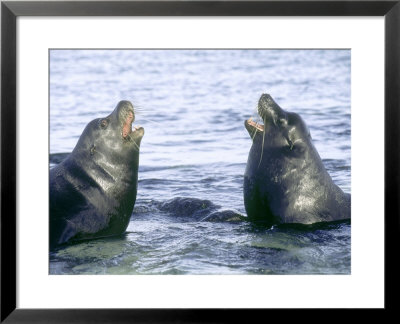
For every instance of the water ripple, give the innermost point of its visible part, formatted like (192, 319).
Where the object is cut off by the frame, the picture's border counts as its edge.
(189, 216)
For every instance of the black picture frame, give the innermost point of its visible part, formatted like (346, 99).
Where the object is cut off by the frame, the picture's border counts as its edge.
(10, 10)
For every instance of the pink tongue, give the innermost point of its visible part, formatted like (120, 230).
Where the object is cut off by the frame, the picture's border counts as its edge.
(256, 125)
(127, 128)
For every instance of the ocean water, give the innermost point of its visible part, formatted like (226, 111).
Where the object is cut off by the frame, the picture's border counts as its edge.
(193, 104)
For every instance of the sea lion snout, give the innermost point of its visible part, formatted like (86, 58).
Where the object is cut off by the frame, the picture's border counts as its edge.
(125, 110)
(266, 102)
(126, 116)
(125, 104)
(266, 97)
(269, 109)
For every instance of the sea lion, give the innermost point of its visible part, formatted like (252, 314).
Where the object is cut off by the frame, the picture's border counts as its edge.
(285, 180)
(93, 191)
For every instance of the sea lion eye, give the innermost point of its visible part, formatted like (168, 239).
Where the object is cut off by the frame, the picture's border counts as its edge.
(104, 123)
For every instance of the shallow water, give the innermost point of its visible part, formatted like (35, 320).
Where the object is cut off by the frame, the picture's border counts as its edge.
(188, 217)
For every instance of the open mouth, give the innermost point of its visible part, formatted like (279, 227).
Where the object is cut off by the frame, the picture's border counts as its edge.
(127, 127)
(127, 130)
(256, 125)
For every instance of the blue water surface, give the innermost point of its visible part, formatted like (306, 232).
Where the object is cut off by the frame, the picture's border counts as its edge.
(192, 104)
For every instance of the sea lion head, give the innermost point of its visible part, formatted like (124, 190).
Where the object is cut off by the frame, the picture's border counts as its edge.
(281, 130)
(111, 139)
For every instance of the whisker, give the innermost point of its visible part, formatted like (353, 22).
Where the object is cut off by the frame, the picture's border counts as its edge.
(137, 146)
(255, 111)
(138, 109)
(151, 121)
(262, 146)
(143, 111)
(140, 112)
(254, 134)
(146, 109)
